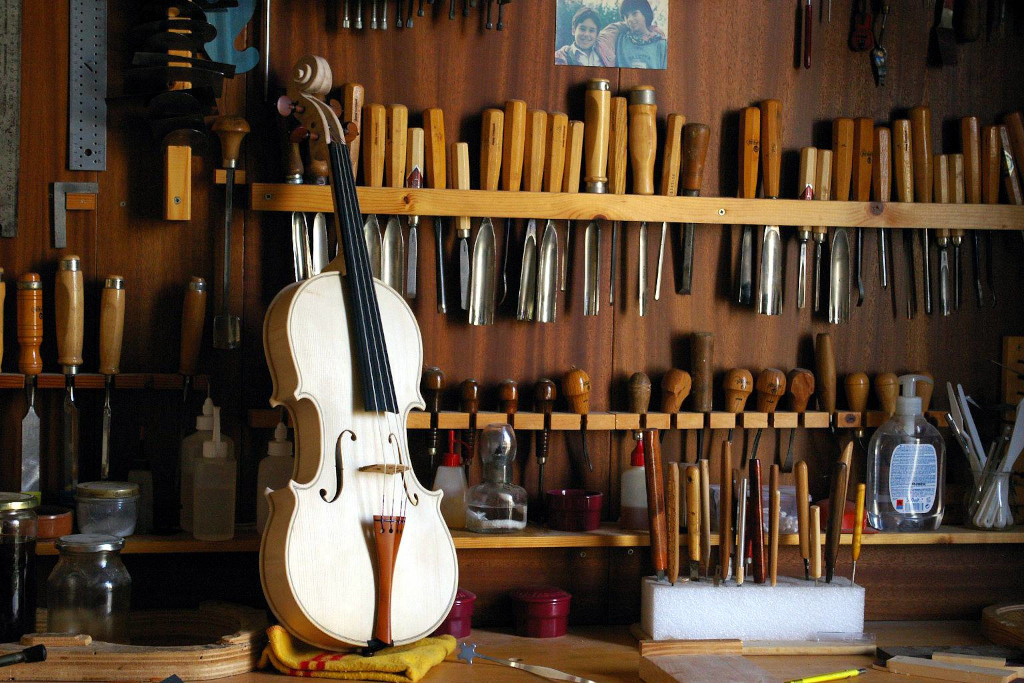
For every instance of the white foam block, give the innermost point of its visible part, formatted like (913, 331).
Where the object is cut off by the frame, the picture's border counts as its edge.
(793, 610)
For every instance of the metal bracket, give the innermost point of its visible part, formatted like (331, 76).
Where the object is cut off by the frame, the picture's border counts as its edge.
(59, 193)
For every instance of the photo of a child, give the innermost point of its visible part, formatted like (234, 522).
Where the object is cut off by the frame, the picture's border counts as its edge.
(629, 34)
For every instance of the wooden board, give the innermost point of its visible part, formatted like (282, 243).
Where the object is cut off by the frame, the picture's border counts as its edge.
(701, 669)
(949, 671)
(761, 648)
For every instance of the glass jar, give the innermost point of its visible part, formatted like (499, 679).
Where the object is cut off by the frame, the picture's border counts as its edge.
(989, 504)
(17, 553)
(496, 506)
(89, 590)
(107, 507)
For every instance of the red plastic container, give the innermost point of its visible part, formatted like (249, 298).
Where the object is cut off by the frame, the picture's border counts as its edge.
(573, 509)
(541, 611)
(457, 623)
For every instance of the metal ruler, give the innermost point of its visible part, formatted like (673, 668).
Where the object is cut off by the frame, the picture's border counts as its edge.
(87, 86)
(10, 113)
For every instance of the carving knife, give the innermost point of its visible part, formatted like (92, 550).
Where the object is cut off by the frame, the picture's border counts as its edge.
(693, 520)
(921, 134)
(991, 159)
(695, 149)
(808, 161)
(597, 129)
(643, 140)
(481, 291)
(903, 172)
(750, 147)
(669, 183)
(414, 180)
(533, 180)
(956, 236)
(373, 173)
(436, 150)
(460, 181)
(111, 334)
(512, 150)
(69, 294)
(842, 166)
(970, 140)
(769, 284)
(571, 185)
(617, 161)
(881, 180)
(823, 192)
(863, 155)
(30, 364)
(940, 175)
(547, 262)
(395, 140)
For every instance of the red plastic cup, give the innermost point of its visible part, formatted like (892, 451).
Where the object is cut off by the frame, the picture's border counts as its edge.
(541, 611)
(459, 619)
(573, 509)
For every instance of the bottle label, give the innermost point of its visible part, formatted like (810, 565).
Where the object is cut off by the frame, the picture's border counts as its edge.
(913, 476)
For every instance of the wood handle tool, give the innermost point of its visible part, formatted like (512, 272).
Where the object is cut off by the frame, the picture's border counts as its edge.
(436, 178)
(469, 394)
(774, 505)
(881, 177)
(822, 191)
(808, 168)
(750, 147)
(643, 140)
(671, 159)
(1008, 170)
(544, 401)
(887, 389)
(815, 542)
(227, 328)
(941, 195)
(413, 179)
(508, 394)
(696, 137)
(837, 509)
(725, 503)
(693, 520)
(639, 391)
(705, 516)
(921, 134)
(618, 159)
(803, 516)
(863, 156)
(769, 284)
(800, 385)
(702, 360)
(534, 140)
(571, 185)
(842, 173)
(675, 387)
(482, 299)
(858, 530)
(770, 386)
(903, 174)
(825, 369)
(655, 503)
(738, 385)
(513, 151)
(69, 298)
(396, 134)
(30, 364)
(596, 133)
(755, 523)
(991, 159)
(353, 96)
(460, 181)
(111, 335)
(576, 388)
(970, 140)
(432, 384)
(547, 262)
(672, 509)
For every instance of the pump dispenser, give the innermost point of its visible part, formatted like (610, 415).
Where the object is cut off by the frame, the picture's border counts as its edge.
(450, 479)
(906, 467)
(275, 472)
(191, 452)
(633, 500)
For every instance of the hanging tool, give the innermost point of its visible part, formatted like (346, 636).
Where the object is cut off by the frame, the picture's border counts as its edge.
(432, 384)
(769, 284)
(755, 522)
(597, 128)
(858, 530)
(374, 145)
(643, 141)
(547, 262)
(863, 155)
(970, 141)
(955, 178)
(822, 191)
(30, 364)
(672, 521)
(436, 177)
(693, 520)
(576, 388)
(543, 402)
(695, 149)
(921, 133)
(808, 168)
(571, 185)
(87, 86)
(111, 334)
(991, 158)
(618, 159)
(69, 294)
(705, 516)
(814, 542)
(655, 503)
(802, 514)
(413, 180)
(808, 17)
(879, 55)
(800, 383)
(839, 273)
(469, 394)
(825, 374)
(481, 290)
(639, 391)
(352, 98)
(941, 177)
(862, 35)
(886, 390)
(738, 385)
(945, 36)
(513, 147)
(669, 183)
(193, 319)
(742, 487)
(675, 387)
(501, 14)
(230, 129)
(881, 176)
(702, 363)
(903, 172)
(770, 386)
(508, 394)
(725, 534)
(533, 181)
(396, 133)
(460, 181)
(837, 508)
(774, 505)
(750, 147)
(856, 386)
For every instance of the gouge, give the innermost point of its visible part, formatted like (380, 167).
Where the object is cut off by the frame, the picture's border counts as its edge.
(547, 261)
(576, 389)
(533, 181)
(571, 185)
(802, 516)
(693, 510)
(705, 516)
(808, 168)
(887, 388)
(825, 373)
(858, 529)
(669, 183)
(374, 143)
(227, 327)
(695, 148)
(903, 173)
(725, 509)
(69, 298)
(770, 386)
(643, 141)
(769, 288)
(881, 177)
(991, 159)
(750, 147)
(459, 180)
(956, 235)
(822, 191)
(395, 139)
(837, 507)
(482, 285)
(618, 159)
(800, 383)
(774, 504)
(755, 523)
(940, 174)
(352, 97)
(639, 391)
(597, 126)
(111, 335)
(30, 364)
(414, 180)
(436, 178)
(863, 156)
(921, 133)
(839, 269)
(738, 384)
(675, 387)
(513, 148)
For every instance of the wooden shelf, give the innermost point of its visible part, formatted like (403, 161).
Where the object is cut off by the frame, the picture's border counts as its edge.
(91, 380)
(246, 540)
(715, 210)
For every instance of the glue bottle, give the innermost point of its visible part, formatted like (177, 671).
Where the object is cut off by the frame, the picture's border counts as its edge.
(634, 492)
(191, 451)
(275, 471)
(906, 467)
(213, 495)
(450, 479)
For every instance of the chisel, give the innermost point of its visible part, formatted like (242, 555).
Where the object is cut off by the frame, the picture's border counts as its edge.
(469, 399)
(725, 536)
(675, 387)
(512, 151)
(30, 364)
(921, 134)
(618, 159)
(822, 191)
(774, 504)
(643, 141)
(837, 507)
(991, 159)
(395, 140)
(571, 185)
(750, 147)
(533, 181)
(672, 514)
(69, 293)
(940, 175)
(970, 140)
(669, 184)
(693, 520)
(695, 148)
(352, 98)
(755, 523)
(1008, 170)
(705, 516)
(802, 514)
(769, 283)
(702, 363)
(547, 261)
(436, 178)
(863, 155)
(955, 179)
(597, 127)
(842, 175)
(459, 169)
(742, 487)
(413, 180)
(808, 168)
(481, 290)
(903, 173)
(111, 334)
(193, 319)
(655, 503)
(881, 177)
(231, 130)
(374, 143)
(858, 530)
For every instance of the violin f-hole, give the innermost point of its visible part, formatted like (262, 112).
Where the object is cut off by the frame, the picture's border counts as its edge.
(337, 467)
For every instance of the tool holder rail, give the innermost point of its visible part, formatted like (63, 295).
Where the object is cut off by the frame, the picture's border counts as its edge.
(91, 380)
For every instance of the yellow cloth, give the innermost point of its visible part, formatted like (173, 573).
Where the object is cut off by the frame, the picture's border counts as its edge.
(401, 664)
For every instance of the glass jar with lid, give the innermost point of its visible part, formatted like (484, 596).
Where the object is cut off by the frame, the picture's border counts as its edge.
(107, 507)
(17, 554)
(89, 590)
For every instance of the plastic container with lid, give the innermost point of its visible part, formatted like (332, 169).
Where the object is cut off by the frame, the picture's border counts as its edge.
(191, 452)
(275, 471)
(450, 479)
(633, 501)
(17, 555)
(541, 611)
(107, 507)
(89, 591)
(458, 621)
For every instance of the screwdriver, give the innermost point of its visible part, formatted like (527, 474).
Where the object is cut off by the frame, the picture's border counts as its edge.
(111, 333)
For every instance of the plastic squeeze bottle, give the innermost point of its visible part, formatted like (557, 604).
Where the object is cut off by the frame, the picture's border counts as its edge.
(450, 479)
(191, 451)
(213, 496)
(275, 471)
(634, 492)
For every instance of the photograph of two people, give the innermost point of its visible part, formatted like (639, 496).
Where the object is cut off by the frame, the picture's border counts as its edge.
(628, 34)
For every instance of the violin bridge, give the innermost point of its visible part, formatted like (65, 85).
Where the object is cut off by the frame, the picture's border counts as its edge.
(381, 468)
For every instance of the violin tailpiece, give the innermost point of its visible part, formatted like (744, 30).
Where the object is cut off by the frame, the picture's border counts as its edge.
(387, 536)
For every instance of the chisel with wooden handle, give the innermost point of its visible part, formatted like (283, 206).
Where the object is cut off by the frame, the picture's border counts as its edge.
(655, 503)
(396, 135)
(802, 516)
(111, 335)
(618, 160)
(533, 181)
(825, 371)
(858, 530)
(823, 192)
(1008, 170)
(774, 505)
(800, 386)
(571, 185)
(227, 326)
(30, 364)
(193, 319)
(695, 149)
(956, 235)
(352, 98)
(769, 284)
(693, 520)
(436, 178)
(808, 168)
(903, 173)
(755, 523)
(970, 141)
(547, 261)
(69, 299)
(482, 299)
(374, 141)
(597, 127)
(413, 180)
(940, 175)
(881, 181)
(513, 148)
(991, 159)
(705, 516)
(725, 503)
(669, 183)
(643, 141)
(672, 509)
(750, 147)
(544, 401)
(839, 268)
(770, 387)
(863, 156)
(921, 134)
(459, 180)
(738, 384)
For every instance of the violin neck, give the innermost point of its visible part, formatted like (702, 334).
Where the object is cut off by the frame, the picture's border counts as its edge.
(364, 314)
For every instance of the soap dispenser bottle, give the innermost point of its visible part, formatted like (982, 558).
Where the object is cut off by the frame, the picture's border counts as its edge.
(906, 467)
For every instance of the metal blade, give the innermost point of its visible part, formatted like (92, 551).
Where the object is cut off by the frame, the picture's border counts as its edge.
(642, 271)
(481, 290)
(300, 246)
(614, 263)
(817, 276)
(464, 272)
(661, 261)
(839, 278)
(506, 248)
(528, 274)
(957, 277)
(566, 255)
(883, 257)
(440, 285)
(412, 256)
(927, 272)
(69, 457)
(746, 279)
(801, 277)
(908, 248)
(686, 280)
(860, 266)
(976, 266)
(769, 286)
(393, 260)
(30, 442)
(371, 235)
(944, 280)
(547, 275)
(592, 269)
(318, 249)
(105, 444)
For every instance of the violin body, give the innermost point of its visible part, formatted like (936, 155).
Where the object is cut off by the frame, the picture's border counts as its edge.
(318, 565)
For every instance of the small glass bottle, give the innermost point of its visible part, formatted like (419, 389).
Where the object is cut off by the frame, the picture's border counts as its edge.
(450, 479)
(89, 591)
(496, 506)
(17, 554)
